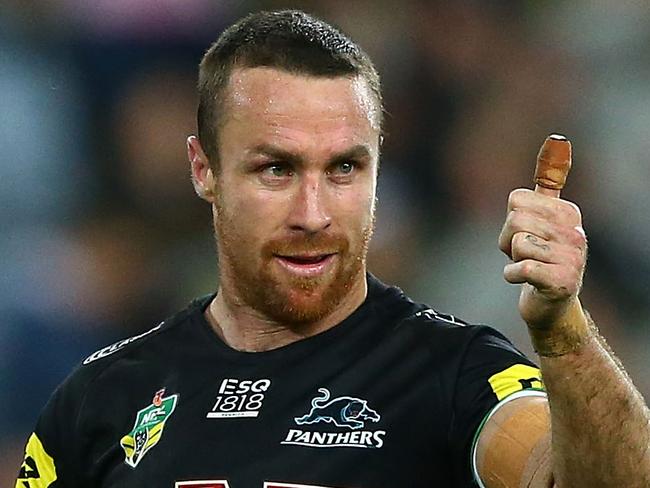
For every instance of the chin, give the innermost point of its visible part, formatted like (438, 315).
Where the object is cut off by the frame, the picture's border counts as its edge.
(310, 301)
(300, 306)
(299, 300)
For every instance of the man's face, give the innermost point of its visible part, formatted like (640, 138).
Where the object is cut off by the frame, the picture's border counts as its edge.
(295, 192)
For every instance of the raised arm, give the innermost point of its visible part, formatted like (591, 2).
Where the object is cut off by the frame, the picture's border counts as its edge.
(599, 424)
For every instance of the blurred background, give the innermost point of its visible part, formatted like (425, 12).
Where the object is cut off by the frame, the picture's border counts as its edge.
(101, 233)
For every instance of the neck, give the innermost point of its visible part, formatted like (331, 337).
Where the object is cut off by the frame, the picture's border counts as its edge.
(244, 328)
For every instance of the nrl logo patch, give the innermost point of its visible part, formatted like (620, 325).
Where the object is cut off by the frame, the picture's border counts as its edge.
(148, 427)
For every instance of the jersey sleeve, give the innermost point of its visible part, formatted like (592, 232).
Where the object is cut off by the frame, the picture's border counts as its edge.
(492, 371)
(49, 453)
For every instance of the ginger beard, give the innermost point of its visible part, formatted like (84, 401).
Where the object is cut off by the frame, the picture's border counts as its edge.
(258, 281)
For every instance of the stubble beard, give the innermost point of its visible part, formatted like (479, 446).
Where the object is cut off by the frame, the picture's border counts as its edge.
(293, 301)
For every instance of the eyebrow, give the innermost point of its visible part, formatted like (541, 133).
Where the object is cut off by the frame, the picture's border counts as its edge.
(359, 151)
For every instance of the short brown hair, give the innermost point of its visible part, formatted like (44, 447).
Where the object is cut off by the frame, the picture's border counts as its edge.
(290, 40)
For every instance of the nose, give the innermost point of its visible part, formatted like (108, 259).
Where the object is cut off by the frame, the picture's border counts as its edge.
(309, 212)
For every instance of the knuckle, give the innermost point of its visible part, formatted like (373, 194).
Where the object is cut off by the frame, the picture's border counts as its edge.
(577, 238)
(519, 219)
(510, 220)
(517, 246)
(517, 197)
(518, 239)
(571, 212)
(560, 208)
(527, 268)
(575, 209)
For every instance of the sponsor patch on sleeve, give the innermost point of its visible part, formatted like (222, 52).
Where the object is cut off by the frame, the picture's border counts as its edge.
(515, 378)
(38, 469)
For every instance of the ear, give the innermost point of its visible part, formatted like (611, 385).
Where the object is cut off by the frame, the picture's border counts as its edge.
(202, 175)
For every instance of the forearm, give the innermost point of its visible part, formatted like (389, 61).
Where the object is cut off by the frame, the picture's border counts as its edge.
(600, 423)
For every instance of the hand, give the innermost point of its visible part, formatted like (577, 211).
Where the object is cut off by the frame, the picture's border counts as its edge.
(543, 236)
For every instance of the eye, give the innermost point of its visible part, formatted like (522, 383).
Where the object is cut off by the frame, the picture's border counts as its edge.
(346, 167)
(275, 173)
(343, 168)
(277, 170)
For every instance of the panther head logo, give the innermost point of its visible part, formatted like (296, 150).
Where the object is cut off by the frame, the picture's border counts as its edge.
(343, 411)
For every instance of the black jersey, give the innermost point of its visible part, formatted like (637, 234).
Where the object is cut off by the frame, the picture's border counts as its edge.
(391, 397)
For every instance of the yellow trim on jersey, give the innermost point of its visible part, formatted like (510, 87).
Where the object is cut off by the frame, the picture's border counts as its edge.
(516, 378)
(38, 469)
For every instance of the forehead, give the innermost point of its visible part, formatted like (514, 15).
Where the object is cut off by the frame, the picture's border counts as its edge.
(263, 94)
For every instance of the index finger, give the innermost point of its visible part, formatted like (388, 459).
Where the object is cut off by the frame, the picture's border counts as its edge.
(553, 165)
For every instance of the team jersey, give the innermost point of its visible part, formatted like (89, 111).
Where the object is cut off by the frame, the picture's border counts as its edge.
(391, 397)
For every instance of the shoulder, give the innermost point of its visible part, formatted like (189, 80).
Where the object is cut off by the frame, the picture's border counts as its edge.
(428, 322)
(452, 339)
(123, 345)
(114, 375)
(403, 315)
(392, 304)
(145, 346)
(429, 318)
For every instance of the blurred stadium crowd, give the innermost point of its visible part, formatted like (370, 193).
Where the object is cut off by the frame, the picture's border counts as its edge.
(102, 235)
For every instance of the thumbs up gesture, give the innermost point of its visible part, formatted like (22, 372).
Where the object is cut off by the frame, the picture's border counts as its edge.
(544, 238)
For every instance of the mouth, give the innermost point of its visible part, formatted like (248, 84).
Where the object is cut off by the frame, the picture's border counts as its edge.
(306, 264)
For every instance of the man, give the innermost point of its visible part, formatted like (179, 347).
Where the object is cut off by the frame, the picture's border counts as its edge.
(305, 371)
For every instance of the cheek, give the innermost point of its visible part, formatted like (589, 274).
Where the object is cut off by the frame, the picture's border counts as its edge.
(250, 215)
(364, 197)
(357, 208)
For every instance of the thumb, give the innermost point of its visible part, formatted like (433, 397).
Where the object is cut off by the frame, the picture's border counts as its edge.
(553, 165)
